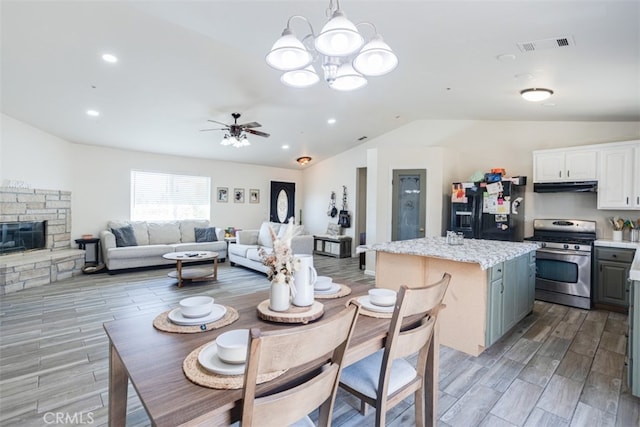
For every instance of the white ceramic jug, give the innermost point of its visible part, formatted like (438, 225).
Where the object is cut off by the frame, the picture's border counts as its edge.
(304, 280)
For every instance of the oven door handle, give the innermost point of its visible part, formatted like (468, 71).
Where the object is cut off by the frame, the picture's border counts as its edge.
(564, 252)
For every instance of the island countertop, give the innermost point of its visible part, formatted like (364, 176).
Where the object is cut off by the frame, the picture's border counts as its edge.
(487, 253)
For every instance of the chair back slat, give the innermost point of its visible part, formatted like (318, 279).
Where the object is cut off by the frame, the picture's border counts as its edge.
(288, 348)
(425, 299)
(291, 405)
(411, 341)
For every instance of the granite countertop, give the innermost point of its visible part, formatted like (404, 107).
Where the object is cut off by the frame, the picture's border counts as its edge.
(487, 253)
(634, 273)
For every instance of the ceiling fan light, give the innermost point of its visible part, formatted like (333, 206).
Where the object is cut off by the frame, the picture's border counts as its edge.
(302, 78)
(347, 78)
(288, 53)
(376, 58)
(339, 37)
(226, 140)
(536, 94)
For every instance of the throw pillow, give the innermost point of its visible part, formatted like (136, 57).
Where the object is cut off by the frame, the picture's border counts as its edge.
(264, 235)
(207, 234)
(333, 229)
(124, 236)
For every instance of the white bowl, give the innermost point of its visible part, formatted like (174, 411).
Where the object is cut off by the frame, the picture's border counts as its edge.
(382, 297)
(196, 306)
(232, 346)
(323, 283)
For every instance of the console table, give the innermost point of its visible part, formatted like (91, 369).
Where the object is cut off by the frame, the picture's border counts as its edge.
(335, 246)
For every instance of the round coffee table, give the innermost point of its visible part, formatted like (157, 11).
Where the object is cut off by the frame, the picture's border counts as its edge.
(193, 273)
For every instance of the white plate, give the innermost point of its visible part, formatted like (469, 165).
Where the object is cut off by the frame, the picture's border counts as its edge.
(335, 287)
(209, 360)
(217, 313)
(366, 303)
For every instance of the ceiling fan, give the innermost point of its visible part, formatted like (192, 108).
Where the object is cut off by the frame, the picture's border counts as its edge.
(236, 134)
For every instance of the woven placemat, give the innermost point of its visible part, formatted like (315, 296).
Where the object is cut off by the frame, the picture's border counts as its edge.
(162, 323)
(198, 375)
(343, 292)
(371, 313)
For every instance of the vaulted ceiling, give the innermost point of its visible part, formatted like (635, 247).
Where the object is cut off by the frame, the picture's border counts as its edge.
(184, 62)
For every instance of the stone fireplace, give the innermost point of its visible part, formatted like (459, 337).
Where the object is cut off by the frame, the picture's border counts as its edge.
(24, 269)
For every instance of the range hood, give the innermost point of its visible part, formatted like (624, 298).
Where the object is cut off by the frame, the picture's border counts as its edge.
(566, 187)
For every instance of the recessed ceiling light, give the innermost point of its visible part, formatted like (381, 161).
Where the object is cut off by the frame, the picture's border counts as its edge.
(107, 57)
(524, 76)
(93, 113)
(536, 94)
(285, 147)
(506, 57)
(331, 121)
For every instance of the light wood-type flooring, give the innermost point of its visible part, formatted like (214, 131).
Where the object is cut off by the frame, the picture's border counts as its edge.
(560, 366)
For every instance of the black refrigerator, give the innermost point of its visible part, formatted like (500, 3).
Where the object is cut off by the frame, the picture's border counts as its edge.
(491, 211)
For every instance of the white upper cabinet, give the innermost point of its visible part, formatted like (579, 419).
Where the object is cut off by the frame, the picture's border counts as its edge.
(565, 165)
(619, 183)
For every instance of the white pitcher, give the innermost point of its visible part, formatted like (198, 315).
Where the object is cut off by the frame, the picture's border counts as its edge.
(304, 280)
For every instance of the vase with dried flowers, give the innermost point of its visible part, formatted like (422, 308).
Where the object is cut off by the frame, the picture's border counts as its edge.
(282, 265)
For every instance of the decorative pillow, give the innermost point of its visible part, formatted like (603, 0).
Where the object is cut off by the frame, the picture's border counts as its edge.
(333, 229)
(187, 226)
(124, 236)
(139, 230)
(264, 235)
(207, 234)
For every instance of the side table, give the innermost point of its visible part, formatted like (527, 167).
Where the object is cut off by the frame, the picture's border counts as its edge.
(91, 265)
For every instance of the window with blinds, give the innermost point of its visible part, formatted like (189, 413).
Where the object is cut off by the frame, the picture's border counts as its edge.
(163, 196)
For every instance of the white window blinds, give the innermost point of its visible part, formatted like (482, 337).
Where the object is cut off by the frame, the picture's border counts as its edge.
(163, 196)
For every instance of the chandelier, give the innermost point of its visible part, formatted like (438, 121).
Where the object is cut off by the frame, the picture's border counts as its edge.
(346, 60)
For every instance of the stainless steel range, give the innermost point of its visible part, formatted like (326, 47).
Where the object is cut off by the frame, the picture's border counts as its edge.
(563, 262)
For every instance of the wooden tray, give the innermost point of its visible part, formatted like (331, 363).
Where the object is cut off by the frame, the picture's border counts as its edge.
(293, 315)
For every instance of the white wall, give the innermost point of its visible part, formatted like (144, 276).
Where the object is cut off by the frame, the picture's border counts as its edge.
(99, 178)
(34, 157)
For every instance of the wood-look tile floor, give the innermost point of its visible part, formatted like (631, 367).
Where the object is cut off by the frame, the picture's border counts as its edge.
(559, 367)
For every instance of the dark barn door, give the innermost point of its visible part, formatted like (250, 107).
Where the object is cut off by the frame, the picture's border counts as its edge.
(282, 201)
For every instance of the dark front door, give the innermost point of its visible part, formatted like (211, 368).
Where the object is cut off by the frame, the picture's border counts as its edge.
(283, 195)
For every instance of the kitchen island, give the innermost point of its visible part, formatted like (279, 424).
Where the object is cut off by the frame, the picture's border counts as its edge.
(492, 284)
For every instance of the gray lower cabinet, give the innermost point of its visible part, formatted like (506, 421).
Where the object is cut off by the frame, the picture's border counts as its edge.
(510, 295)
(611, 270)
(633, 345)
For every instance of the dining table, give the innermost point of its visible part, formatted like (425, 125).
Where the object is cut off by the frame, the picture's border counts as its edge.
(152, 360)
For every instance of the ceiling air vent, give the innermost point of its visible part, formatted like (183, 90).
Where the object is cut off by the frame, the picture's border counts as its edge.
(553, 43)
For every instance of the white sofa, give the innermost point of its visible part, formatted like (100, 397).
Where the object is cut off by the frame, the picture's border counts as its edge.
(154, 239)
(245, 251)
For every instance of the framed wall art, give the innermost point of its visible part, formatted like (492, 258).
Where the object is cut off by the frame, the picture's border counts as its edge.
(222, 195)
(254, 195)
(238, 195)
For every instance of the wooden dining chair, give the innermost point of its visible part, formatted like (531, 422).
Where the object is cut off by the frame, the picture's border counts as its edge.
(277, 350)
(385, 378)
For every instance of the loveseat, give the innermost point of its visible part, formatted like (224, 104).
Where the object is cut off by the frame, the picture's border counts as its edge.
(246, 250)
(132, 244)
